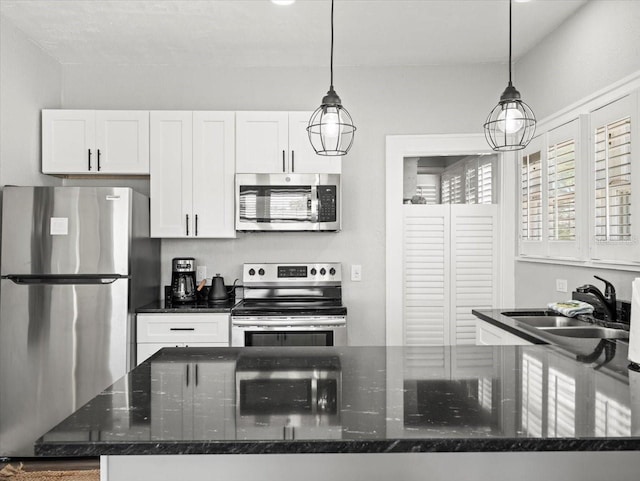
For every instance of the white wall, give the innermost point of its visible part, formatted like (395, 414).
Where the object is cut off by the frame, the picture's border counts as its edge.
(30, 80)
(593, 49)
(382, 101)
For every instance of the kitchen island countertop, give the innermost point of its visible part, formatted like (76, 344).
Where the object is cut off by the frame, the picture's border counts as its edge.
(357, 400)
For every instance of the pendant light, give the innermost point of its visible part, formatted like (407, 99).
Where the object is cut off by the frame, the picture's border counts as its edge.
(511, 124)
(330, 127)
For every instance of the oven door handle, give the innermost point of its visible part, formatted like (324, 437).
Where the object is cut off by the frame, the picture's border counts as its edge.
(261, 322)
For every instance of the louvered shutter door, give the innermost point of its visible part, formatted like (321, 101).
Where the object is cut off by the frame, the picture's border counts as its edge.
(473, 267)
(426, 251)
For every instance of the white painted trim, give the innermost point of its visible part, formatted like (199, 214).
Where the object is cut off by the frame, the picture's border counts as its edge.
(397, 148)
(586, 264)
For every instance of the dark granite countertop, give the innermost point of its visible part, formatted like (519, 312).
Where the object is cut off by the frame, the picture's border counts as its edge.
(607, 354)
(363, 400)
(160, 307)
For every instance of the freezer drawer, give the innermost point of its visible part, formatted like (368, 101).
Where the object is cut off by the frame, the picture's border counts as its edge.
(61, 344)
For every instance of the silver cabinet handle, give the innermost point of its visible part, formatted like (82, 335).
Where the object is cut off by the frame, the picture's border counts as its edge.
(284, 169)
(187, 374)
(182, 328)
(89, 158)
(98, 160)
(196, 225)
(187, 215)
(293, 161)
(196, 369)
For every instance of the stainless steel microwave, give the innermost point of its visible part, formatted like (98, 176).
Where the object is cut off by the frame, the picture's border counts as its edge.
(288, 202)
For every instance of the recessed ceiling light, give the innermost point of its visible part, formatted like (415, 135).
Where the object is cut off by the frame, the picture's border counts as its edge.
(283, 2)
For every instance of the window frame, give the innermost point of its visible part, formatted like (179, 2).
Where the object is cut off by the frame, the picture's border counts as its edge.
(587, 252)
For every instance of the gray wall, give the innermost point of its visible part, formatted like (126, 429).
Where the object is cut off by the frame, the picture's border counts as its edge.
(30, 81)
(383, 101)
(596, 47)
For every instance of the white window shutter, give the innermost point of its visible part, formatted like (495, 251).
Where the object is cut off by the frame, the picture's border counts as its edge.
(565, 168)
(615, 222)
(532, 199)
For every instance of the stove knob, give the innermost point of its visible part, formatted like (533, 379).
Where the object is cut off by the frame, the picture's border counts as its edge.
(252, 272)
(261, 272)
(332, 271)
(323, 271)
(313, 271)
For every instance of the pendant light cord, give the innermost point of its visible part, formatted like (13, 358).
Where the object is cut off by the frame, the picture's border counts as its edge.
(331, 69)
(510, 3)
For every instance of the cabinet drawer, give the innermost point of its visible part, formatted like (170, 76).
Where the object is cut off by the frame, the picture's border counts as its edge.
(168, 328)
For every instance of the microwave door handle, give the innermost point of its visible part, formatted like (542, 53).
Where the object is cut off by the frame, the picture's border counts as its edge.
(315, 204)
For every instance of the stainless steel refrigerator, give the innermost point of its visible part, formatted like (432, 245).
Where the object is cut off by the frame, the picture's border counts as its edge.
(76, 263)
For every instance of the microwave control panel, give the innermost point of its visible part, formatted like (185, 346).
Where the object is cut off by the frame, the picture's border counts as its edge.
(327, 195)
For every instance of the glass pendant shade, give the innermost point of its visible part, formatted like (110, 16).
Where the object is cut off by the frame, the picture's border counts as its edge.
(330, 127)
(511, 124)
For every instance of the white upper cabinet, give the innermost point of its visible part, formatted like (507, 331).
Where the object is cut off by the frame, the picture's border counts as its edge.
(277, 142)
(214, 174)
(192, 174)
(112, 142)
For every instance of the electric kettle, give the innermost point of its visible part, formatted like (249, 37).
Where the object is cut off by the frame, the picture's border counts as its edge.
(218, 292)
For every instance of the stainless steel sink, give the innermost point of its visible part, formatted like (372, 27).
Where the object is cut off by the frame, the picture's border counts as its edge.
(551, 321)
(591, 331)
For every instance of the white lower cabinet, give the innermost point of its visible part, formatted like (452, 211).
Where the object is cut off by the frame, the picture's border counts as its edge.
(155, 331)
(490, 335)
(192, 400)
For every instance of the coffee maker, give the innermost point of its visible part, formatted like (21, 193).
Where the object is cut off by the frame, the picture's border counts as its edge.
(183, 280)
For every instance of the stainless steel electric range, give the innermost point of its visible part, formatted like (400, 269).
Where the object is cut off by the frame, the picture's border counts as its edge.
(290, 305)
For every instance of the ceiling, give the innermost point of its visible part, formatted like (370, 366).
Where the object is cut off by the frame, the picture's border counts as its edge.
(256, 33)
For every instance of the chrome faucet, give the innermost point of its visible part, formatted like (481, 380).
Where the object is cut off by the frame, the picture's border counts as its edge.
(608, 299)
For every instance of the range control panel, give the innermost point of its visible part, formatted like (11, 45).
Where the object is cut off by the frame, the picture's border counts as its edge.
(293, 273)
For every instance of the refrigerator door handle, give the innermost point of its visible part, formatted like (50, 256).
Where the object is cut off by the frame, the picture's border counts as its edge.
(58, 279)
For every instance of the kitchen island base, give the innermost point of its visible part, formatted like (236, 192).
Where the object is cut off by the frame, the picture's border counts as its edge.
(525, 466)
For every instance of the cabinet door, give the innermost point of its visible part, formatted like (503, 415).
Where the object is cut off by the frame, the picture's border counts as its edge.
(303, 159)
(171, 174)
(68, 142)
(213, 174)
(122, 142)
(262, 142)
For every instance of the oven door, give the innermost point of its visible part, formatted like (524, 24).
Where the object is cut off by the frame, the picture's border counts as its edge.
(288, 202)
(282, 331)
